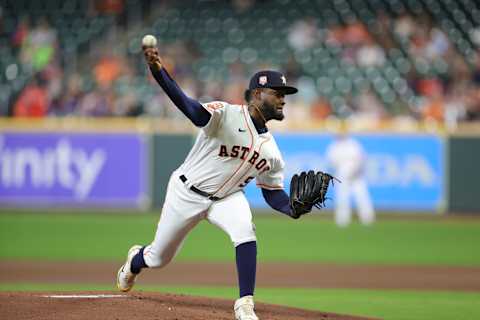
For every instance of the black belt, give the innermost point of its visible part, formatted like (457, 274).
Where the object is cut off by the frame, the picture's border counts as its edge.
(198, 191)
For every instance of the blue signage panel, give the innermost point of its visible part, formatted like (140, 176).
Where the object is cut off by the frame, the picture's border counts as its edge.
(403, 172)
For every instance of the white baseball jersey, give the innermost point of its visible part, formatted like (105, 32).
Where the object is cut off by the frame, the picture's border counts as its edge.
(229, 152)
(348, 158)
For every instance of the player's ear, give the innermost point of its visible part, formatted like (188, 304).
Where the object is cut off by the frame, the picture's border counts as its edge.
(254, 94)
(247, 95)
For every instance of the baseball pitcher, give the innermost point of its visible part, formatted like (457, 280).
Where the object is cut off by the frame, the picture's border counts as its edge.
(232, 148)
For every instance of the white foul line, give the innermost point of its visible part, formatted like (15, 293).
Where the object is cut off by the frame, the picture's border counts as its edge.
(85, 296)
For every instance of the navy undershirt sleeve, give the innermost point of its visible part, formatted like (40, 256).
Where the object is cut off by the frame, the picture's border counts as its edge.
(190, 107)
(278, 200)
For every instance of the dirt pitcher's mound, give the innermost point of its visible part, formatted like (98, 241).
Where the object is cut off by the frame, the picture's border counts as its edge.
(137, 306)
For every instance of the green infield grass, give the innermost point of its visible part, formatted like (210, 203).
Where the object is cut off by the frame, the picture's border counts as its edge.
(385, 304)
(90, 236)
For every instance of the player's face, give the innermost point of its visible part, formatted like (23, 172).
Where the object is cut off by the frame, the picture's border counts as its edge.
(272, 104)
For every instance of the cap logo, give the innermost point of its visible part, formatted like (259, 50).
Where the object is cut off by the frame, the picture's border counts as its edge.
(284, 80)
(262, 80)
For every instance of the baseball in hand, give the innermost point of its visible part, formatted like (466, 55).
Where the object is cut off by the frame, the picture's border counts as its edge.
(149, 41)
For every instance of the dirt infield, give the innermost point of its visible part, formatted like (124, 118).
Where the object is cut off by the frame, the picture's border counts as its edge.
(139, 306)
(268, 275)
(155, 306)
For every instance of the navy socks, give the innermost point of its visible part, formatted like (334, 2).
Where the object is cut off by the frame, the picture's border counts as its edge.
(246, 256)
(138, 262)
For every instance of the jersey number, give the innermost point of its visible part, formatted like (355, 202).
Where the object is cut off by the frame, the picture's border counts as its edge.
(242, 185)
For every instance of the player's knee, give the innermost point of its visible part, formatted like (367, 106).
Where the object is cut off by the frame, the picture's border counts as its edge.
(238, 241)
(243, 234)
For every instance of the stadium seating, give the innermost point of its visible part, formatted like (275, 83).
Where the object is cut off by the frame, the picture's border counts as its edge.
(258, 36)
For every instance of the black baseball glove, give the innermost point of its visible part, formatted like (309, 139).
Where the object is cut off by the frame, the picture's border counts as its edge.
(308, 190)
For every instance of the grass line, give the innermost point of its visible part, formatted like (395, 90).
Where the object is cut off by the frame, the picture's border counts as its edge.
(89, 236)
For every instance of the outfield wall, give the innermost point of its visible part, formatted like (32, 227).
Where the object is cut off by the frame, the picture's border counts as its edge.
(127, 165)
(464, 175)
(168, 153)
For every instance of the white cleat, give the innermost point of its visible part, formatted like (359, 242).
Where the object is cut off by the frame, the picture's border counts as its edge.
(125, 277)
(244, 309)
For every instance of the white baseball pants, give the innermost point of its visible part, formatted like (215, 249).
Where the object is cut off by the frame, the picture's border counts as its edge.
(343, 210)
(183, 209)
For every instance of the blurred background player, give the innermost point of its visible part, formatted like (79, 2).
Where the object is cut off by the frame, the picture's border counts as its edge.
(348, 158)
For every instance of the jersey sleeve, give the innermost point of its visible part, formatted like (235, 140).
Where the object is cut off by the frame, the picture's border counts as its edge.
(217, 110)
(272, 179)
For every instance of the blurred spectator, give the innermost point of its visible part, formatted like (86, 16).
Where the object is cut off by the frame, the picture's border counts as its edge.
(303, 34)
(476, 71)
(355, 33)
(307, 94)
(382, 28)
(475, 35)
(67, 103)
(96, 104)
(156, 105)
(21, 32)
(472, 111)
(459, 72)
(109, 6)
(369, 106)
(429, 43)
(107, 70)
(335, 35)
(241, 6)
(404, 25)
(438, 44)
(39, 47)
(33, 100)
(234, 92)
(429, 87)
(370, 55)
(321, 109)
(292, 68)
(127, 105)
(433, 109)
(53, 76)
(455, 106)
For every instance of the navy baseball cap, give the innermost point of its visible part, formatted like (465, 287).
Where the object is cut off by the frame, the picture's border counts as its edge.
(271, 79)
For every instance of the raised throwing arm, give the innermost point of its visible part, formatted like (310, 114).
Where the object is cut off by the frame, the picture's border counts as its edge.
(189, 107)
